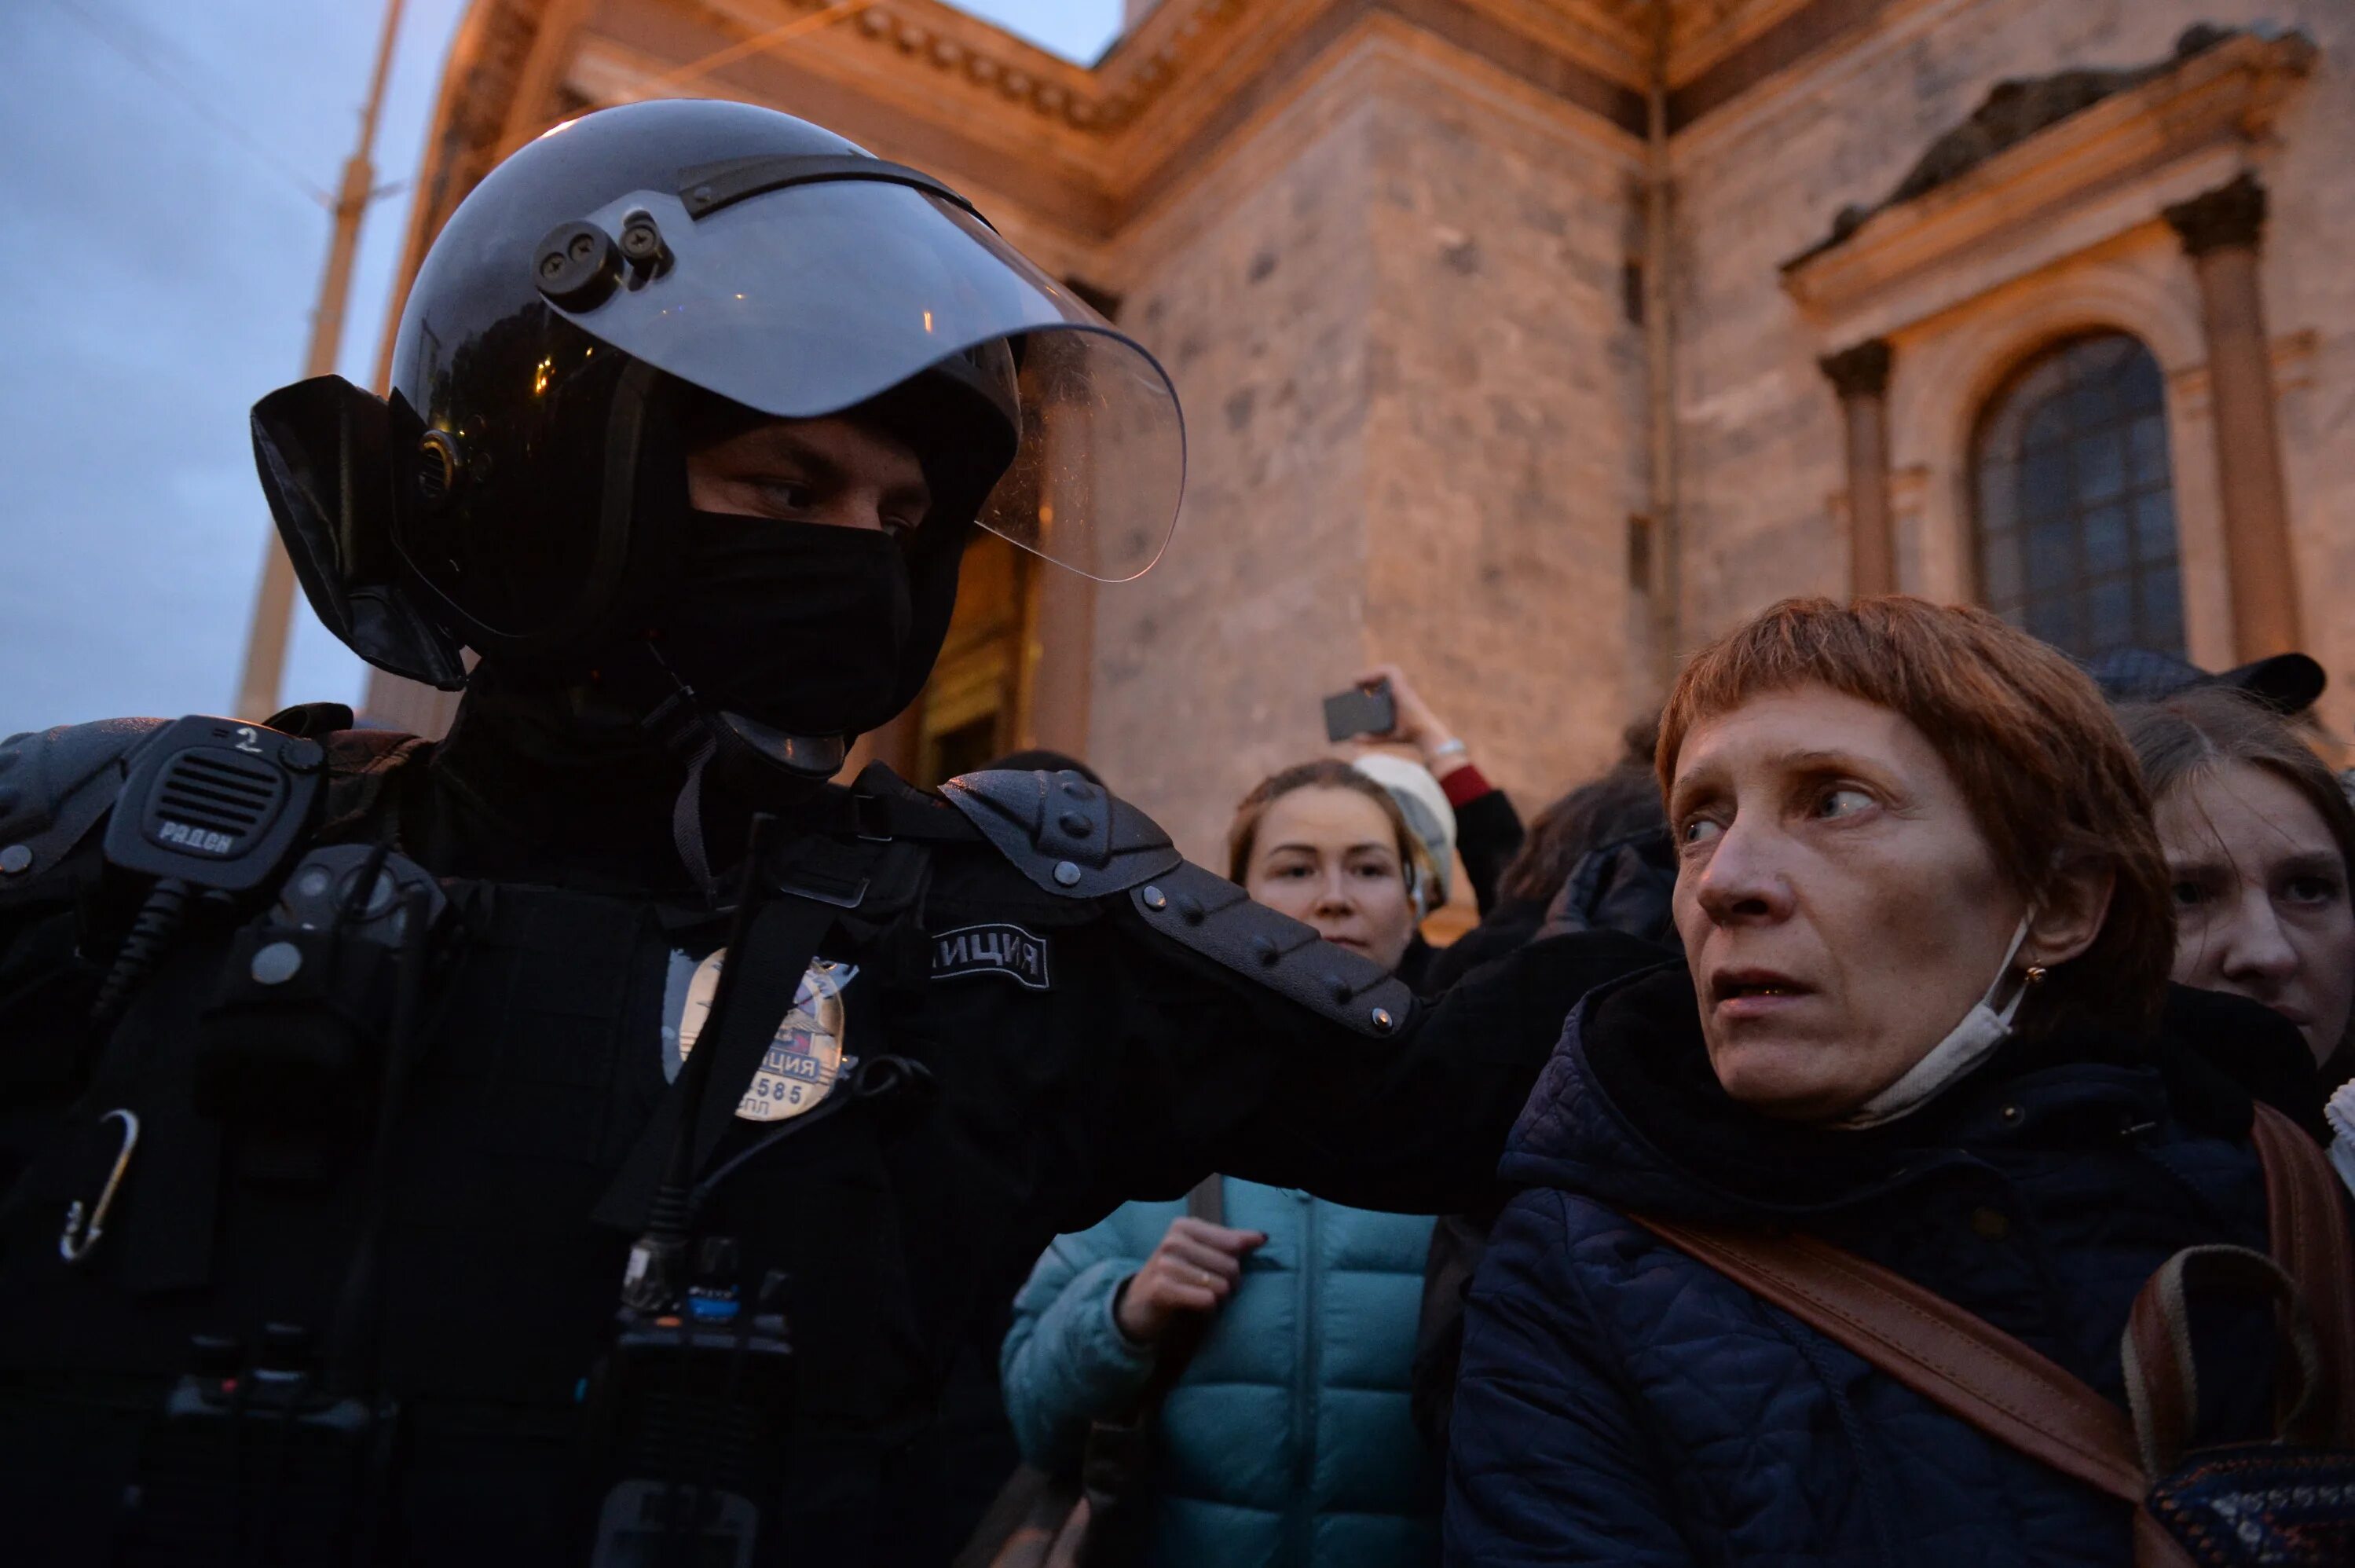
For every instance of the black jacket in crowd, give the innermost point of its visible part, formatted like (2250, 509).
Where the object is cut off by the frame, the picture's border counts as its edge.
(1047, 1015)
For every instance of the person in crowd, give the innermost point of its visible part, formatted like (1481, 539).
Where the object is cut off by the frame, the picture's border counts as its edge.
(690, 471)
(2259, 843)
(973, 1441)
(1592, 859)
(1484, 830)
(1924, 1015)
(1621, 803)
(1286, 1441)
(1430, 819)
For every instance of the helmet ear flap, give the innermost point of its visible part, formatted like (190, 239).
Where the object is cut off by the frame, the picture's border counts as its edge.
(325, 452)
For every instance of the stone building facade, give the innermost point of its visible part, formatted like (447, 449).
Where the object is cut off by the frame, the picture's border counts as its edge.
(1530, 342)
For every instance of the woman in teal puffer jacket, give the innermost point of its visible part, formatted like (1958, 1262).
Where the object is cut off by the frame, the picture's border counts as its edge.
(1288, 1443)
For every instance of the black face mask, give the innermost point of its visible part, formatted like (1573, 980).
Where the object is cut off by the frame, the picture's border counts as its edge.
(803, 626)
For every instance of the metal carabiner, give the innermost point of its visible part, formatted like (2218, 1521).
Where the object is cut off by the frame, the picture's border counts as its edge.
(73, 1244)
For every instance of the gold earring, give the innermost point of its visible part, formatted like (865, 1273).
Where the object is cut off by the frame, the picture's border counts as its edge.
(2036, 974)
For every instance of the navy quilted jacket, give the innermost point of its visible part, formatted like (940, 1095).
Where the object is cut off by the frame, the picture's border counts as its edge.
(1621, 1403)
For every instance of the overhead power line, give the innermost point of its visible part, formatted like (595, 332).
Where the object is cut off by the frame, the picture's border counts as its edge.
(759, 43)
(693, 71)
(105, 33)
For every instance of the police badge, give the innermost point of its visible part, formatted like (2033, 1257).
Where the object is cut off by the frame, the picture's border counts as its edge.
(802, 1062)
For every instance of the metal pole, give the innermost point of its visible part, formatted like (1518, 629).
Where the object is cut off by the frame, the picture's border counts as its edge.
(273, 608)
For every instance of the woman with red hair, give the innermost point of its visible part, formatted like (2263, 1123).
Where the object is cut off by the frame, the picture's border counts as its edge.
(1924, 1017)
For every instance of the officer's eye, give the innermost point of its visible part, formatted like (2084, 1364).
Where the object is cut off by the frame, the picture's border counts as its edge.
(787, 495)
(1698, 831)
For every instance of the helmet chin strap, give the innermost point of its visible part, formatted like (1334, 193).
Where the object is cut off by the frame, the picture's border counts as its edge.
(697, 735)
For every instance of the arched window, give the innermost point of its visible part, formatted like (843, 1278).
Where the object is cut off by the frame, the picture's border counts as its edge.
(2076, 515)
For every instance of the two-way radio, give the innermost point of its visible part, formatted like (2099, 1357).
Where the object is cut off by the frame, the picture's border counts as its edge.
(211, 805)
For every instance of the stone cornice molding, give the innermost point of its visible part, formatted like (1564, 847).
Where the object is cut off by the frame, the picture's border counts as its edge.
(1098, 145)
(2105, 169)
(1003, 109)
(933, 50)
(1172, 55)
(1020, 189)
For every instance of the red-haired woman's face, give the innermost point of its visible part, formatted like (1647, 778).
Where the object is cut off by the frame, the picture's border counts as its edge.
(2261, 899)
(1840, 909)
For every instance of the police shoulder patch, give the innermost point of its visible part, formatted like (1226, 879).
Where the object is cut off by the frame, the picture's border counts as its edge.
(996, 949)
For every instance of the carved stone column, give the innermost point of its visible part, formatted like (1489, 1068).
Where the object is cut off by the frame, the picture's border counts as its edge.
(1058, 660)
(2219, 233)
(1860, 374)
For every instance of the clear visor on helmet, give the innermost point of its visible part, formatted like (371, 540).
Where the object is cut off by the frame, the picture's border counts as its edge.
(809, 300)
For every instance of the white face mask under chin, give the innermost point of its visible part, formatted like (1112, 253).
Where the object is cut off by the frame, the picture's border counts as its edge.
(1968, 1044)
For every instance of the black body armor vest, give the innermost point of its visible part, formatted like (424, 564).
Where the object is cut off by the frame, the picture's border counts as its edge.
(429, 1296)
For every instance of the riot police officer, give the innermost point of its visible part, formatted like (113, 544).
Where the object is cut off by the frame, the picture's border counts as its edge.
(585, 1139)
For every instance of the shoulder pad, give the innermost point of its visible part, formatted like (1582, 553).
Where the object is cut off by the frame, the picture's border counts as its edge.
(55, 785)
(1071, 837)
(1204, 911)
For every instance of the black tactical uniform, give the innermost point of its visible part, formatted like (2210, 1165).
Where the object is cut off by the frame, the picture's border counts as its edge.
(341, 1068)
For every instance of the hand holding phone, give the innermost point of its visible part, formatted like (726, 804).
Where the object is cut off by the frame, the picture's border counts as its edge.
(1361, 710)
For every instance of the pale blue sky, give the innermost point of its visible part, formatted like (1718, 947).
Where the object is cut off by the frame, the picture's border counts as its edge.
(153, 161)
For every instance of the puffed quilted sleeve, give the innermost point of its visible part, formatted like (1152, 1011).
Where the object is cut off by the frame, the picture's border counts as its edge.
(1065, 1362)
(1546, 1463)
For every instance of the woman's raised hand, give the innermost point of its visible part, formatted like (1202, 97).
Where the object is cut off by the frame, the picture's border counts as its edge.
(1418, 725)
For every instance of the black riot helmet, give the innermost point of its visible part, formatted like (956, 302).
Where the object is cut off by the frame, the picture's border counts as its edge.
(521, 491)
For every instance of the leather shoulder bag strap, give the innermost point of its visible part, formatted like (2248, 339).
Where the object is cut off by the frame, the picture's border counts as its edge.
(1926, 1342)
(2307, 1220)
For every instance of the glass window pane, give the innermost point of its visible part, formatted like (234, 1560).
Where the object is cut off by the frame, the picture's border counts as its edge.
(2154, 526)
(2076, 519)
(2109, 607)
(2161, 616)
(2052, 556)
(2138, 384)
(2093, 401)
(2055, 621)
(2105, 541)
(2044, 490)
(2100, 466)
(2045, 427)
(2147, 451)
